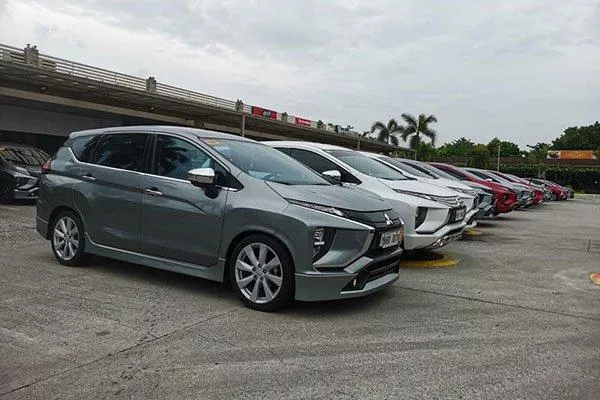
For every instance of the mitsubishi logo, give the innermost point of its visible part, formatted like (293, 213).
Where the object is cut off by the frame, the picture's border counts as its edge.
(388, 221)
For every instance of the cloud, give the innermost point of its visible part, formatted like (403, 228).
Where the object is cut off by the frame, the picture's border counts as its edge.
(519, 69)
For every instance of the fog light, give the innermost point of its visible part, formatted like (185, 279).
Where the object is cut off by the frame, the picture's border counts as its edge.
(319, 236)
(322, 239)
(420, 217)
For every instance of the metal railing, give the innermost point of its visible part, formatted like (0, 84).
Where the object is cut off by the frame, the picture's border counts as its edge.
(31, 57)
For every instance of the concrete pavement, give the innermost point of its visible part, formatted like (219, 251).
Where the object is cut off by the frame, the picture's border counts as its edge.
(517, 318)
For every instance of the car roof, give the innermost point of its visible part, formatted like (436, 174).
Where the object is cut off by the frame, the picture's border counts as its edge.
(299, 143)
(192, 133)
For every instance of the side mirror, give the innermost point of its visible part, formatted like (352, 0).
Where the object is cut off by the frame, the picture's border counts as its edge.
(201, 176)
(333, 174)
(489, 179)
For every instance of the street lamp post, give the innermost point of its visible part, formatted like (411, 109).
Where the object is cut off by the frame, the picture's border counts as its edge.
(498, 160)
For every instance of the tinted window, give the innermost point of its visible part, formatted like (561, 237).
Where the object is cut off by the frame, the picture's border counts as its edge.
(176, 157)
(264, 162)
(23, 155)
(321, 164)
(123, 151)
(83, 147)
(483, 176)
(367, 165)
(406, 168)
(455, 174)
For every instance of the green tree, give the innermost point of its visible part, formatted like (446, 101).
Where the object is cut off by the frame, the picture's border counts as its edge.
(507, 149)
(415, 127)
(387, 133)
(480, 157)
(579, 138)
(426, 152)
(459, 148)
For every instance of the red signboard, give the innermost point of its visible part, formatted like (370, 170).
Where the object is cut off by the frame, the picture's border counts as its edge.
(263, 112)
(303, 122)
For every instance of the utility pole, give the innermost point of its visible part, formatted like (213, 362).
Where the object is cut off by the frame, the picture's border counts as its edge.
(498, 162)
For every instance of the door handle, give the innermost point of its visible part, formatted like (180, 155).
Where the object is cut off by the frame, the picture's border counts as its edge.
(153, 192)
(88, 177)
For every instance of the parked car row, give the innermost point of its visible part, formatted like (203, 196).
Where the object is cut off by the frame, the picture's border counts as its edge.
(280, 220)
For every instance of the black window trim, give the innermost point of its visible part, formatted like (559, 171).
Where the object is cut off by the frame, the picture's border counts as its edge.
(342, 170)
(152, 162)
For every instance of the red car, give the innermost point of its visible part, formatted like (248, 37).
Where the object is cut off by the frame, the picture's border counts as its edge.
(558, 192)
(506, 199)
(538, 194)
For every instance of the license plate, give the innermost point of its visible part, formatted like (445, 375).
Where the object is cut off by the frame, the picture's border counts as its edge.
(459, 214)
(389, 239)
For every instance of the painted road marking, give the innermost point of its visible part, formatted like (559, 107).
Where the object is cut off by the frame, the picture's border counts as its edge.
(472, 232)
(429, 260)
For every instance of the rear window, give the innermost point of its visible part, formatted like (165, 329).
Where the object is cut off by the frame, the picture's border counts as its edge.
(83, 147)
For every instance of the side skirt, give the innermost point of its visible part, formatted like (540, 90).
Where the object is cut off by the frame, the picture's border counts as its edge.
(214, 273)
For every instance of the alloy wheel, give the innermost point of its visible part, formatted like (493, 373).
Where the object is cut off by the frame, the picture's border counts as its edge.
(66, 238)
(258, 273)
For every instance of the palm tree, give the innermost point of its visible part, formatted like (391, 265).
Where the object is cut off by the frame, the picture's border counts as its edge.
(416, 127)
(387, 133)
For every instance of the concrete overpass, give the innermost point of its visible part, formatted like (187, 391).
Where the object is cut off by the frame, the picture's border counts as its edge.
(47, 98)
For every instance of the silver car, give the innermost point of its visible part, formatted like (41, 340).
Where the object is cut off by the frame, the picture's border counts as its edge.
(220, 207)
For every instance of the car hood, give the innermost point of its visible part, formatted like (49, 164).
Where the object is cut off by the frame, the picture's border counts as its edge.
(338, 196)
(420, 187)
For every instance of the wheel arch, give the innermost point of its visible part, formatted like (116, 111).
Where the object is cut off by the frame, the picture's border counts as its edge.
(241, 236)
(55, 212)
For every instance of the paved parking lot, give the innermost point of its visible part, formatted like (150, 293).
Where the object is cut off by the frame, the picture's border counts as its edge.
(517, 318)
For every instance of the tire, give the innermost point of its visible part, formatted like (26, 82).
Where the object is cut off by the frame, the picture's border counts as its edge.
(70, 252)
(6, 194)
(265, 284)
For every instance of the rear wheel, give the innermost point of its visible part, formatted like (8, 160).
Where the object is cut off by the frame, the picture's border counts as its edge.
(262, 273)
(67, 239)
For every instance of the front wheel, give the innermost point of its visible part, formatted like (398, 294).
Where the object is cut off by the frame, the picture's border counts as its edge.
(261, 273)
(67, 239)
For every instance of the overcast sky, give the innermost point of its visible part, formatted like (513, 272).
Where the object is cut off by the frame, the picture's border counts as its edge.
(522, 70)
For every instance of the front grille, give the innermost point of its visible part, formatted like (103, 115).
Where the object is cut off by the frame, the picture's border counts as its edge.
(450, 201)
(374, 271)
(376, 219)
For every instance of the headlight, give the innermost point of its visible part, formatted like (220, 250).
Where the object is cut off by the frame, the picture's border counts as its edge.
(318, 207)
(21, 181)
(323, 238)
(420, 217)
(417, 194)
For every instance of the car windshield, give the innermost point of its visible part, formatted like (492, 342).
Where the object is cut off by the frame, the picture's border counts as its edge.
(403, 167)
(414, 170)
(24, 156)
(367, 165)
(438, 172)
(266, 163)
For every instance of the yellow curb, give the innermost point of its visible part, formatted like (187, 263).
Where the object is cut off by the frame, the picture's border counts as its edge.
(472, 232)
(443, 261)
(595, 277)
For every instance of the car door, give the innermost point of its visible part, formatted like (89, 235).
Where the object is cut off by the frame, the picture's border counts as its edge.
(108, 191)
(180, 221)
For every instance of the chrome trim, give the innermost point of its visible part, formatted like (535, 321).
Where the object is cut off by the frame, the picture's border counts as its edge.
(76, 161)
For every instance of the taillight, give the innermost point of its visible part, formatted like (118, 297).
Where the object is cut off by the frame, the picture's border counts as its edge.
(46, 166)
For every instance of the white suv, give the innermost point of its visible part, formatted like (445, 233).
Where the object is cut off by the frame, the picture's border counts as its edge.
(433, 216)
(466, 193)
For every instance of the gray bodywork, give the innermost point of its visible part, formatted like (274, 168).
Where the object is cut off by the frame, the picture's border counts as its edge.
(192, 231)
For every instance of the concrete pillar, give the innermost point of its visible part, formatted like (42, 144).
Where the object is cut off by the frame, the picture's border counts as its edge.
(243, 129)
(151, 84)
(31, 55)
(284, 117)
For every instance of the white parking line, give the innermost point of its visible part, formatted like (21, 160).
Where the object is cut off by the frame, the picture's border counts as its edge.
(8, 208)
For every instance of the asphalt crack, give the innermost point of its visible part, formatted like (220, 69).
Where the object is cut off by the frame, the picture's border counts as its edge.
(120, 351)
(498, 303)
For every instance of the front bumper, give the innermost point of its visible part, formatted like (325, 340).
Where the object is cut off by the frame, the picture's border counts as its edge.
(364, 276)
(472, 217)
(26, 194)
(443, 236)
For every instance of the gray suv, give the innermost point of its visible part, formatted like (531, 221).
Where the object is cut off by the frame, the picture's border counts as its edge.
(220, 207)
